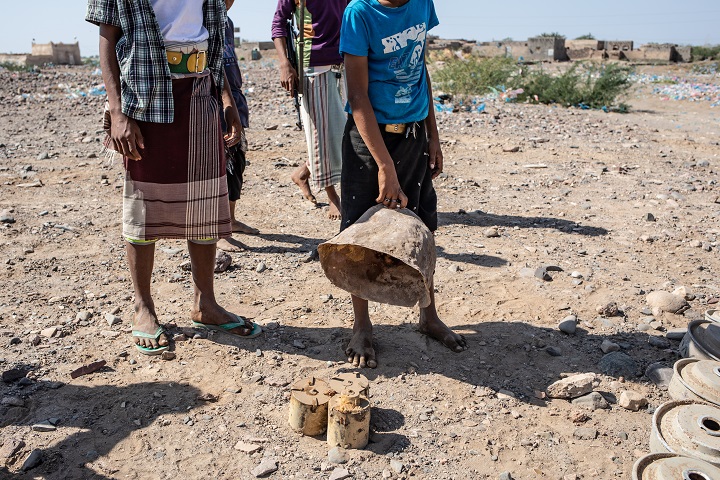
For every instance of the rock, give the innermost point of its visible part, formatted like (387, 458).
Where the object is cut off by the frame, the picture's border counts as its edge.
(10, 447)
(45, 426)
(167, 355)
(630, 400)
(5, 217)
(527, 272)
(491, 232)
(13, 374)
(568, 324)
(509, 149)
(592, 401)
(542, 274)
(110, 333)
(659, 374)
(553, 351)
(397, 466)
(661, 301)
(180, 337)
(505, 476)
(43, 156)
(658, 342)
(607, 346)
(576, 274)
(618, 364)
(49, 332)
(676, 334)
(339, 474)
(337, 455)
(83, 316)
(585, 433)
(248, 448)
(112, 319)
(267, 466)
(261, 267)
(649, 217)
(222, 261)
(572, 387)
(13, 401)
(608, 310)
(32, 460)
(684, 292)
(298, 344)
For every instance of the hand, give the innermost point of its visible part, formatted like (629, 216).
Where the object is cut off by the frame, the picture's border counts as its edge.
(234, 126)
(288, 77)
(435, 159)
(391, 195)
(126, 136)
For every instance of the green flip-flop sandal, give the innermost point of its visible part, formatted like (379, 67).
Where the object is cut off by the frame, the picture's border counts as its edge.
(226, 327)
(148, 350)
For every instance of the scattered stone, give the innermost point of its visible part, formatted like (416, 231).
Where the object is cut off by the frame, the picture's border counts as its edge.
(180, 337)
(167, 355)
(568, 324)
(112, 319)
(6, 217)
(659, 374)
(630, 400)
(505, 476)
(299, 344)
(13, 374)
(222, 261)
(32, 460)
(45, 426)
(43, 156)
(337, 455)
(661, 301)
(514, 149)
(684, 292)
(267, 466)
(248, 448)
(542, 274)
(49, 332)
(553, 351)
(585, 433)
(608, 310)
(572, 387)
(491, 232)
(397, 466)
(88, 369)
(676, 334)
(83, 316)
(261, 267)
(607, 346)
(12, 401)
(339, 474)
(649, 217)
(592, 401)
(618, 364)
(576, 274)
(110, 333)
(658, 342)
(10, 448)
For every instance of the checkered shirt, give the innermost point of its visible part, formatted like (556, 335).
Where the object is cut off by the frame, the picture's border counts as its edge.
(145, 82)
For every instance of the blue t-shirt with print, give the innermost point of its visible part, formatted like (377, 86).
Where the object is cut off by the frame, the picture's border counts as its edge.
(393, 39)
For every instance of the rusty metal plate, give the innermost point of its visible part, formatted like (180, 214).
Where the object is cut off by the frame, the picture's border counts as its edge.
(703, 379)
(703, 340)
(311, 391)
(687, 428)
(667, 466)
(351, 384)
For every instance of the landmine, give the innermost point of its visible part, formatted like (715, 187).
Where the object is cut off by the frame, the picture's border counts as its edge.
(351, 384)
(687, 428)
(348, 422)
(309, 400)
(387, 256)
(668, 466)
(702, 340)
(697, 380)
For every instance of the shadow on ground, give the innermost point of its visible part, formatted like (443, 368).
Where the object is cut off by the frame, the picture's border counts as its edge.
(481, 219)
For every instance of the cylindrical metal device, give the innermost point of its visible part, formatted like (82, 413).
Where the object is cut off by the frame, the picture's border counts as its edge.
(697, 380)
(687, 428)
(348, 422)
(668, 466)
(351, 384)
(309, 399)
(702, 340)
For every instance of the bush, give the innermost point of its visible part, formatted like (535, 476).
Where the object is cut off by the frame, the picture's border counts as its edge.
(707, 52)
(473, 76)
(14, 67)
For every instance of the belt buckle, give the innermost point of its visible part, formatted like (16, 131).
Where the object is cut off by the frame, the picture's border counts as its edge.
(395, 128)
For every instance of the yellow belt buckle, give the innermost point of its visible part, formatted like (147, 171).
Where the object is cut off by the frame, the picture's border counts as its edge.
(196, 61)
(174, 58)
(395, 127)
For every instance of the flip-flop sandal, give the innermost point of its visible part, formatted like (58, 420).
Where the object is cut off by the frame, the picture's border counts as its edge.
(148, 350)
(226, 327)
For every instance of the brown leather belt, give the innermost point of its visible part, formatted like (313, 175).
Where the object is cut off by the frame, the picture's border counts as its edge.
(395, 127)
(179, 62)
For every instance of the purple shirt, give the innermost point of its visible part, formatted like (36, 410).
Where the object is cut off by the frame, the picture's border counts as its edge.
(323, 19)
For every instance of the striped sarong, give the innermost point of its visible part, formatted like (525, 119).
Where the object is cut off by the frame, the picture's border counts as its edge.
(178, 189)
(323, 116)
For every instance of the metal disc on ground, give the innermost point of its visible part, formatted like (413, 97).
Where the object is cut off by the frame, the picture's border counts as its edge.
(702, 340)
(350, 384)
(687, 428)
(712, 315)
(668, 466)
(695, 379)
(309, 399)
(387, 256)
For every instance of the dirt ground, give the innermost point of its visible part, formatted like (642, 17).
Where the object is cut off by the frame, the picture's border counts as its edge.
(576, 195)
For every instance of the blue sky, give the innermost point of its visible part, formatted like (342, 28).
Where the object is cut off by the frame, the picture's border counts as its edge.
(689, 22)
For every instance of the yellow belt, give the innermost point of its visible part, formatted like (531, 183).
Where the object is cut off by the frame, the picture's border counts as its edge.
(395, 127)
(179, 62)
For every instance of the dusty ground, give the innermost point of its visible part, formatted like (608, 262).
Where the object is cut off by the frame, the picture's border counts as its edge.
(440, 415)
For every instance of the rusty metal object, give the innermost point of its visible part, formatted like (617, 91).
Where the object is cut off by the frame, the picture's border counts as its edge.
(88, 369)
(697, 380)
(387, 256)
(687, 428)
(668, 466)
(702, 340)
(351, 384)
(309, 399)
(348, 422)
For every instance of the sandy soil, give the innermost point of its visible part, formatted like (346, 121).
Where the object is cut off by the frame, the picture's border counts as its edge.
(436, 414)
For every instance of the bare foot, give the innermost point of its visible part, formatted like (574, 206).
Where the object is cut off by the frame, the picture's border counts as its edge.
(145, 321)
(231, 245)
(216, 315)
(334, 200)
(432, 326)
(301, 178)
(240, 227)
(360, 351)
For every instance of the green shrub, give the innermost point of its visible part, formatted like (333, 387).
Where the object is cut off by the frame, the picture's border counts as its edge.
(706, 52)
(473, 76)
(14, 67)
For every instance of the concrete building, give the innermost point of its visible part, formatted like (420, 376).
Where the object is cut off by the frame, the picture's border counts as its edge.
(44, 53)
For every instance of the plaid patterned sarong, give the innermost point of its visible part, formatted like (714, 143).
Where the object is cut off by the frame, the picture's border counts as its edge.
(178, 189)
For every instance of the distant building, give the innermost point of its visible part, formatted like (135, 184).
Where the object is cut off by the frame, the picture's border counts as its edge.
(42, 53)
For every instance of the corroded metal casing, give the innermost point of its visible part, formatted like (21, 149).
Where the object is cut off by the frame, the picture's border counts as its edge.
(387, 256)
(309, 399)
(702, 340)
(348, 422)
(712, 315)
(687, 428)
(351, 384)
(697, 380)
(668, 466)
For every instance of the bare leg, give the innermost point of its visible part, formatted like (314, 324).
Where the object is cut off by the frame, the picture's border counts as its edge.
(334, 198)
(432, 326)
(238, 226)
(205, 307)
(301, 177)
(140, 261)
(360, 351)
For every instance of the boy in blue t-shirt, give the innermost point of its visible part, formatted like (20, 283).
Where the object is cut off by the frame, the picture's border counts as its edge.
(391, 149)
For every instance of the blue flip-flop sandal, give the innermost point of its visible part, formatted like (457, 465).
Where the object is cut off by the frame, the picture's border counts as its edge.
(226, 327)
(156, 336)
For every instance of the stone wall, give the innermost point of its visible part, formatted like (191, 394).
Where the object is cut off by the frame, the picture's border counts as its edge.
(57, 53)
